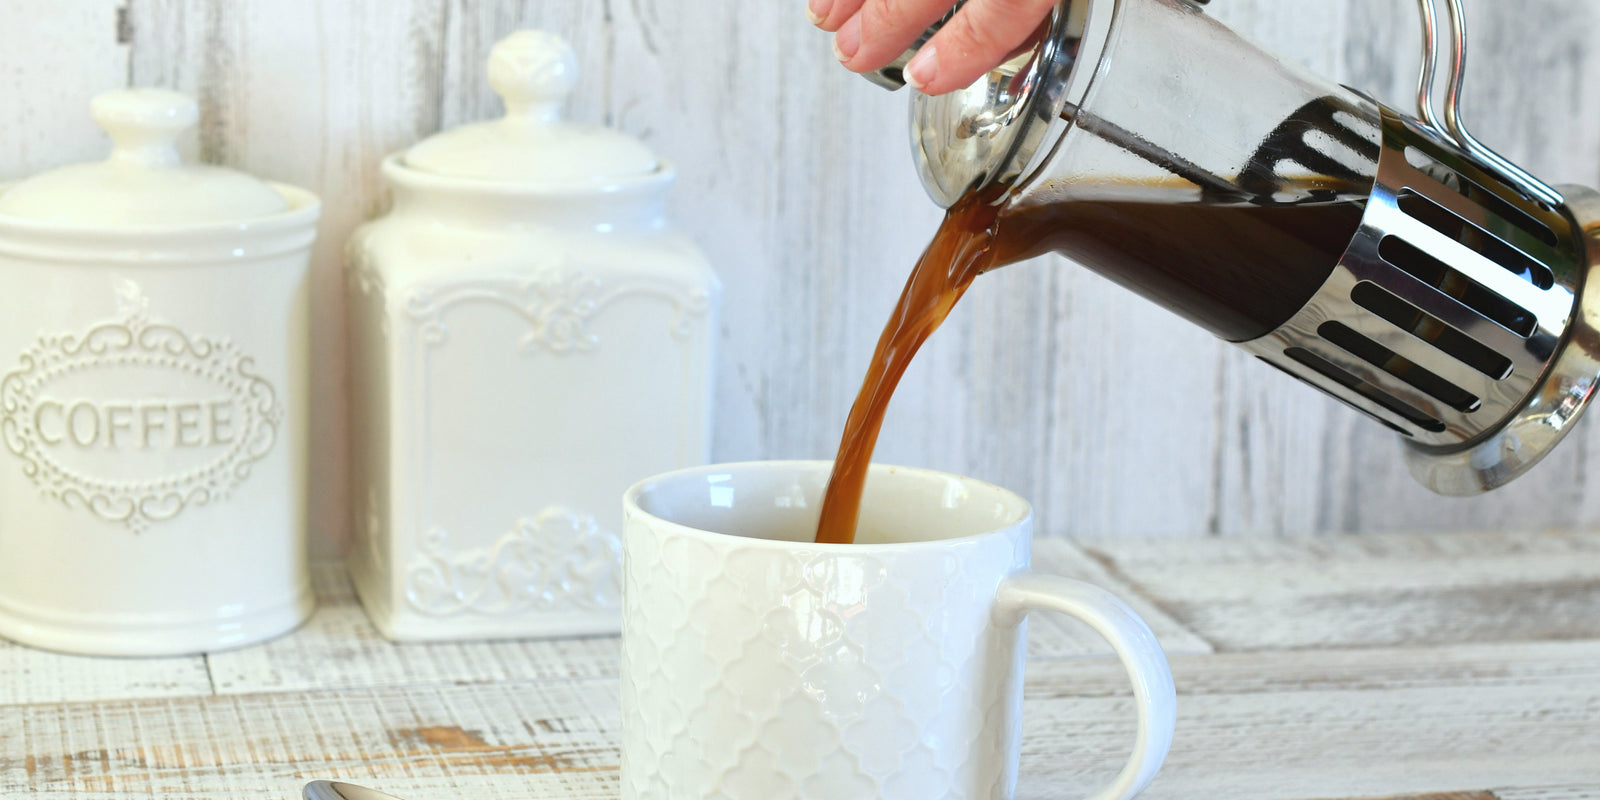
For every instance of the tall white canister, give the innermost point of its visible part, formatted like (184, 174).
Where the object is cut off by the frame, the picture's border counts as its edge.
(153, 348)
(529, 336)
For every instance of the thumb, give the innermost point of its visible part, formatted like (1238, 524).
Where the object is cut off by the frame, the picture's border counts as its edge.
(982, 34)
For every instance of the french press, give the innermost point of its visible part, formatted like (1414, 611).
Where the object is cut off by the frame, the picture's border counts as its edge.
(1393, 262)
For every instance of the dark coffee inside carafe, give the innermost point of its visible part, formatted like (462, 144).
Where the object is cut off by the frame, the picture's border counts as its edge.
(1239, 270)
(1238, 264)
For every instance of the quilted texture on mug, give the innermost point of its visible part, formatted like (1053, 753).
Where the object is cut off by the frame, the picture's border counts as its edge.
(756, 670)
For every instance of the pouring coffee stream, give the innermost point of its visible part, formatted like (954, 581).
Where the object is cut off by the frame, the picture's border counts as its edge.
(1396, 265)
(1179, 247)
(962, 248)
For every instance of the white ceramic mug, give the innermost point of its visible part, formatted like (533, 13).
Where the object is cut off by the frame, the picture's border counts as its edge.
(758, 665)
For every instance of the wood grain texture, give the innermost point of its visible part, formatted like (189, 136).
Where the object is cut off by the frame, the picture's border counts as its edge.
(1444, 796)
(1061, 636)
(54, 54)
(1461, 666)
(36, 676)
(1547, 793)
(556, 738)
(1340, 744)
(1372, 591)
(549, 740)
(1112, 415)
(339, 647)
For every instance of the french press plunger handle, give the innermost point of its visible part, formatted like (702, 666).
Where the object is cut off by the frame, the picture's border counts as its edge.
(1454, 129)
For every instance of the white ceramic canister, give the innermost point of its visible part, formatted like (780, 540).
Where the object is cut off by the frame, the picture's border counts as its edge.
(153, 374)
(529, 337)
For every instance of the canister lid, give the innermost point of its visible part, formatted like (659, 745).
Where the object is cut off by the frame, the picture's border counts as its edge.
(533, 72)
(144, 182)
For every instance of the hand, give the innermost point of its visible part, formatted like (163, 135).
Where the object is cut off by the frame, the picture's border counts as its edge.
(871, 33)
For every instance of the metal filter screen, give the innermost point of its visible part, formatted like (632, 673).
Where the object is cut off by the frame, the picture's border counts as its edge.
(1448, 306)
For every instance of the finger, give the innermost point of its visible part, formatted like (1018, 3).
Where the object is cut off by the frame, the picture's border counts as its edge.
(980, 36)
(830, 14)
(884, 29)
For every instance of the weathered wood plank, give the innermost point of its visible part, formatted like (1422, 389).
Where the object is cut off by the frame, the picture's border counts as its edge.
(1342, 738)
(1422, 548)
(54, 55)
(496, 740)
(36, 676)
(1443, 796)
(1554, 664)
(1440, 796)
(1327, 744)
(1371, 591)
(1061, 636)
(1586, 792)
(339, 648)
(1305, 705)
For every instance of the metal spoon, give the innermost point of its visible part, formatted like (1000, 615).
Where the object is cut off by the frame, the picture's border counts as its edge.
(332, 790)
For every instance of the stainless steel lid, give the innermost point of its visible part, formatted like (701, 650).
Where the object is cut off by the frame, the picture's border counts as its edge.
(993, 130)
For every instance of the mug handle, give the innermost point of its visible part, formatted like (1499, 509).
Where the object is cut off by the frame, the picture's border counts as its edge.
(1133, 642)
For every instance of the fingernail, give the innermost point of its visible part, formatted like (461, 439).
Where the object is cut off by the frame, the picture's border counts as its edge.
(817, 10)
(848, 40)
(924, 67)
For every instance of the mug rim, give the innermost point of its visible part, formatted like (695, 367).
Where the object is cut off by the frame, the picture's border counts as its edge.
(1023, 520)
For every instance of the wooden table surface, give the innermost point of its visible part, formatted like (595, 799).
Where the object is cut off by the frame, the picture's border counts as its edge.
(1463, 666)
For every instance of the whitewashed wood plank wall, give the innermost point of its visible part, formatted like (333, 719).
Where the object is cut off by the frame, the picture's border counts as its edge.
(1115, 417)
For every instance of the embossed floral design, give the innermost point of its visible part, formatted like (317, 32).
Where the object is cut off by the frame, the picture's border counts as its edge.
(135, 342)
(557, 302)
(557, 560)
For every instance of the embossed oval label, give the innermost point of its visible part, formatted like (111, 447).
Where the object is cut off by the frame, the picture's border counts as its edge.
(134, 420)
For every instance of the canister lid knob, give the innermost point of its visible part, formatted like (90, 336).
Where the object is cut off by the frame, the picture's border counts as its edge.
(532, 146)
(145, 124)
(533, 72)
(144, 183)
